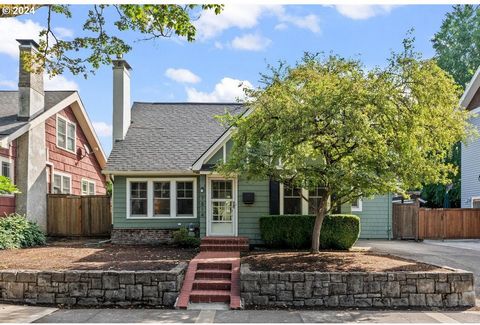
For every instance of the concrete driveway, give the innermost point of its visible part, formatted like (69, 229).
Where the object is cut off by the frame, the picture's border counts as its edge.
(459, 254)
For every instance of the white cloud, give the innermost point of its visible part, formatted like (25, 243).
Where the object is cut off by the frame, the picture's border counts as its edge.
(15, 29)
(281, 26)
(218, 45)
(227, 90)
(59, 83)
(248, 16)
(102, 129)
(9, 84)
(63, 32)
(182, 75)
(250, 42)
(359, 12)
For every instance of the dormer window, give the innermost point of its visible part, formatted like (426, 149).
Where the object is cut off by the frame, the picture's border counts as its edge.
(66, 131)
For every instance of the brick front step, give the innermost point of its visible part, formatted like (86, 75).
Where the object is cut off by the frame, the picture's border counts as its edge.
(225, 240)
(197, 296)
(213, 274)
(216, 284)
(214, 266)
(223, 248)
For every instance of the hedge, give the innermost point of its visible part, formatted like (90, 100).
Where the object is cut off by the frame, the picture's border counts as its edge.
(17, 232)
(339, 231)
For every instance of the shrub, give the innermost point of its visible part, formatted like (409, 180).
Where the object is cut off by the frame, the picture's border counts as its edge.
(182, 239)
(17, 232)
(339, 231)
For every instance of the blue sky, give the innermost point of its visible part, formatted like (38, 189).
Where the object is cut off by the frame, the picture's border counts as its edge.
(231, 48)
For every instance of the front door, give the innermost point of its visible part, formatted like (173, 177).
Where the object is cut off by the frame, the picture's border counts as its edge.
(222, 207)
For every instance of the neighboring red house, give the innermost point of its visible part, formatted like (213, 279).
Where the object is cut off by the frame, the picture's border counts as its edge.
(47, 145)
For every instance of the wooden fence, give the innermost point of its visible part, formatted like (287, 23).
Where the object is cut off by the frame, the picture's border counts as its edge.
(73, 215)
(412, 222)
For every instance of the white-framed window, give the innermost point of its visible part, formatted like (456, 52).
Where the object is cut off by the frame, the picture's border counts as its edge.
(475, 202)
(161, 198)
(88, 187)
(66, 134)
(357, 205)
(299, 200)
(6, 167)
(62, 183)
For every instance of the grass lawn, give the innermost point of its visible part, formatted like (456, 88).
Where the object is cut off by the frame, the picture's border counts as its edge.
(90, 255)
(332, 261)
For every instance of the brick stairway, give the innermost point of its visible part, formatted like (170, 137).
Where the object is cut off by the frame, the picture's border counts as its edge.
(213, 276)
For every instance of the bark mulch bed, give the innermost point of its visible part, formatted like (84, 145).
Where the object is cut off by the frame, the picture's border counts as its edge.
(333, 261)
(93, 255)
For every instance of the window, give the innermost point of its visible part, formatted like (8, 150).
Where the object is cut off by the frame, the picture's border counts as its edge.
(88, 187)
(314, 200)
(476, 202)
(185, 198)
(66, 131)
(292, 200)
(357, 205)
(161, 198)
(62, 184)
(138, 198)
(6, 169)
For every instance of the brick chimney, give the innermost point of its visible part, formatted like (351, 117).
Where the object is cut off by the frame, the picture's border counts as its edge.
(121, 99)
(30, 84)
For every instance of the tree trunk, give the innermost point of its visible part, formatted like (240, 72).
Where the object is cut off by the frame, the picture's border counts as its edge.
(317, 228)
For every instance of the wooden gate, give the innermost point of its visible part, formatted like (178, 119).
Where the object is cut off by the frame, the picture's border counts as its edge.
(405, 221)
(73, 215)
(412, 222)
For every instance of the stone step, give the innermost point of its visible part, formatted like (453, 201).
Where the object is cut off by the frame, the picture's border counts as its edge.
(214, 266)
(205, 284)
(213, 274)
(198, 296)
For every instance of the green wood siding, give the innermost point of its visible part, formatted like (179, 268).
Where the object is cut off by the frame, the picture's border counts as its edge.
(120, 220)
(202, 205)
(249, 214)
(376, 217)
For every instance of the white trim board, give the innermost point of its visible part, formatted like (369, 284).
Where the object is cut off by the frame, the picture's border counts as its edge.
(471, 89)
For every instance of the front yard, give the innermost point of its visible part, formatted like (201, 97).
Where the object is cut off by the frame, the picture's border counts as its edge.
(333, 261)
(92, 255)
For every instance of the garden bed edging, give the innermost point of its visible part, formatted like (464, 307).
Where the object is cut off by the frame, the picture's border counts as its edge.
(357, 289)
(92, 287)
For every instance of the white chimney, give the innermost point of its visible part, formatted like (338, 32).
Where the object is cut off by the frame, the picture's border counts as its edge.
(121, 99)
(30, 84)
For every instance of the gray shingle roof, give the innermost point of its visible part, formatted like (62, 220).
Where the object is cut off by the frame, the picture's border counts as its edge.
(168, 136)
(9, 109)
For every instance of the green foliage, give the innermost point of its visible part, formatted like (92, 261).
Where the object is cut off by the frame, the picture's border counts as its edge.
(339, 231)
(105, 29)
(182, 239)
(329, 121)
(17, 232)
(457, 42)
(7, 187)
(435, 194)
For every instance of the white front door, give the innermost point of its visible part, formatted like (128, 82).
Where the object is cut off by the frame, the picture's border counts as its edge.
(221, 207)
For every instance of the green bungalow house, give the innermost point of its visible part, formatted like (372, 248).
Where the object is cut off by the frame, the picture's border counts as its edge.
(161, 168)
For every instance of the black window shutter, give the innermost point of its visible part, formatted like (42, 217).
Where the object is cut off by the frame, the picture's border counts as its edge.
(274, 197)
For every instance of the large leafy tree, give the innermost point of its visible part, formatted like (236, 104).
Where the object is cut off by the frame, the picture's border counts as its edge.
(457, 43)
(457, 51)
(105, 28)
(357, 133)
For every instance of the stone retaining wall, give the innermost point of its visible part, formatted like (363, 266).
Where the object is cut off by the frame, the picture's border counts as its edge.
(92, 288)
(359, 289)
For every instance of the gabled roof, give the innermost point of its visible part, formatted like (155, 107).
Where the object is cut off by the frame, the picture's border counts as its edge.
(168, 137)
(55, 101)
(471, 90)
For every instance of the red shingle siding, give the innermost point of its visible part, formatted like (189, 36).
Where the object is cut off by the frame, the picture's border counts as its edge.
(67, 162)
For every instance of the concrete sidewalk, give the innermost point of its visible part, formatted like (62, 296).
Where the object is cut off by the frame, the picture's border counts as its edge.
(255, 316)
(23, 314)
